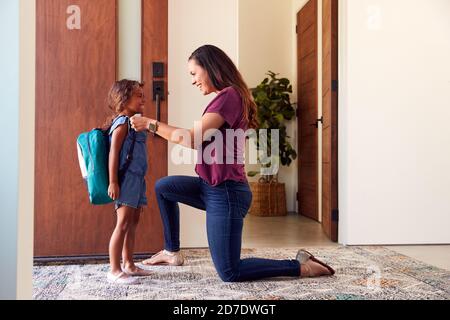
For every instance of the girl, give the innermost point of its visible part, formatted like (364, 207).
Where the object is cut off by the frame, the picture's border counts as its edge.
(126, 178)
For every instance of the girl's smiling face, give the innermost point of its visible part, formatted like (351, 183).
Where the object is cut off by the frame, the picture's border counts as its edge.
(200, 78)
(137, 101)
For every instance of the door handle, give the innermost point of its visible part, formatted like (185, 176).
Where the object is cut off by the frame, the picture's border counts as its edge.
(158, 107)
(158, 87)
(158, 96)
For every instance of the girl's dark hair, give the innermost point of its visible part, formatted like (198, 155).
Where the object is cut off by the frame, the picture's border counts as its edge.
(223, 73)
(119, 95)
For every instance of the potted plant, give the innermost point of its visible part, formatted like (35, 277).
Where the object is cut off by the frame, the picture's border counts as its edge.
(274, 109)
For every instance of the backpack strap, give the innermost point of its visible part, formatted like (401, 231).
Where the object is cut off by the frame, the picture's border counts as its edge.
(130, 151)
(117, 122)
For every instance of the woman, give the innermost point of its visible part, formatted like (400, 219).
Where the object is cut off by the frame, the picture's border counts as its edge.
(221, 188)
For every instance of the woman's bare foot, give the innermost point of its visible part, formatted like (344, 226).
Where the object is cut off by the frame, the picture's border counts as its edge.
(165, 258)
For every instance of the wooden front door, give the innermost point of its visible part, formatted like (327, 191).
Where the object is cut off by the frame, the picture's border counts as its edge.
(307, 60)
(330, 120)
(155, 48)
(76, 65)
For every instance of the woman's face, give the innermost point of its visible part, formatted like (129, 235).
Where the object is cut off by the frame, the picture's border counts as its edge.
(200, 78)
(137, 101)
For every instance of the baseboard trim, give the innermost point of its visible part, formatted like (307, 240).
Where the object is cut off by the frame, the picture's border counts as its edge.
(90, 259)
(81, 259)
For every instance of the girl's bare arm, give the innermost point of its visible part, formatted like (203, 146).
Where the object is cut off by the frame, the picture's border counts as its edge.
(118, 137)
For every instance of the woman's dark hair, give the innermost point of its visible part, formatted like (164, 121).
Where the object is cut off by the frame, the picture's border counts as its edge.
(223, 73)
(119, 95)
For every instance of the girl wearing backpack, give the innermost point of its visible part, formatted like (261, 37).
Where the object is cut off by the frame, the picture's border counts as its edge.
(127, 168)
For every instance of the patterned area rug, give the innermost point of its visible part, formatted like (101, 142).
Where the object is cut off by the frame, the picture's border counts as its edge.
(362, 273)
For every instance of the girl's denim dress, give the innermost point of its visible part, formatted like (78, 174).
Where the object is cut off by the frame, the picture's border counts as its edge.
(132, 182)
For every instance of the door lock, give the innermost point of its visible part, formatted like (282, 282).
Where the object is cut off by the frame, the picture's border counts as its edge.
(158, 87)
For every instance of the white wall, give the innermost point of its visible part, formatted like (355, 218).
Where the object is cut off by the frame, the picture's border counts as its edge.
(394, 137)
(265, 43)
(265, 39)
(130, 26)
(9, 171)
(25, 230)
(193, 23)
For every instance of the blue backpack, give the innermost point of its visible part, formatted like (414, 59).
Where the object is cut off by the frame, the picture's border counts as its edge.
(93, 155)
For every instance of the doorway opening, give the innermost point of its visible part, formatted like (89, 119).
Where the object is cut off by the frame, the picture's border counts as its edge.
(317, 65)
(316, 220)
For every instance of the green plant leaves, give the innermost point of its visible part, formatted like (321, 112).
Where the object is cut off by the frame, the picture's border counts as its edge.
(274, 108)
(252, 173)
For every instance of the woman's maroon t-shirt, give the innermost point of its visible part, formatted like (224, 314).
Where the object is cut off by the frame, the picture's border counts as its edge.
(214, 166)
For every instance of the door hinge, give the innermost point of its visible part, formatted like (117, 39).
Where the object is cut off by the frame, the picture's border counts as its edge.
(319, 120)
(335, 215)
(334, 85)
(296, 29)
(298, 198)
(316, 124)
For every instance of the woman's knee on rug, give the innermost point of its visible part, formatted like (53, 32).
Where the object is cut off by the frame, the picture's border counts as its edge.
(228, 274)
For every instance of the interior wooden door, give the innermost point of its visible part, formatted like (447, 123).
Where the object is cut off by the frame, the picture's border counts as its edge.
(75, 67)
(307, 61)
(330, 211)
(154, 49)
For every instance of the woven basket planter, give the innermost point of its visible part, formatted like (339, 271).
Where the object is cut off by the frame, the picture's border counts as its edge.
(269, 199)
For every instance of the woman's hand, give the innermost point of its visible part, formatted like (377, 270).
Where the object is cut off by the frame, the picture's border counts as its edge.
(114, 190)
(140, 123)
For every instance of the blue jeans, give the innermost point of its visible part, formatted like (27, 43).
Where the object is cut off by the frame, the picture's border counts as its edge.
(226, 205)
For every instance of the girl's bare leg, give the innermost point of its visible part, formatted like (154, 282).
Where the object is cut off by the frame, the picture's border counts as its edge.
(130, 238)
(124, 220)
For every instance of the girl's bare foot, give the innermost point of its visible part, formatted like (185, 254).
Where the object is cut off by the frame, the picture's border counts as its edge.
(120, 278)
(133, 270)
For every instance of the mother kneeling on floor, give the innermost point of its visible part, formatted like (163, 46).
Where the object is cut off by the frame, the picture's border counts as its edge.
(221, 188)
